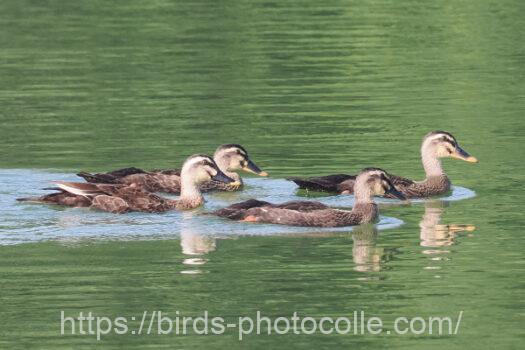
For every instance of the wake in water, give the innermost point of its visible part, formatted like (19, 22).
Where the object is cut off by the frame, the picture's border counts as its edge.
(31, 223)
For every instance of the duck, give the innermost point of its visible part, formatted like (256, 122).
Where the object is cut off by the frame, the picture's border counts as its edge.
(123, 198)
(435, 145)
(369, 182)
(228, 157)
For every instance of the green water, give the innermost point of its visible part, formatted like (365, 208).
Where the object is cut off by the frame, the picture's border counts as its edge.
(308, 88)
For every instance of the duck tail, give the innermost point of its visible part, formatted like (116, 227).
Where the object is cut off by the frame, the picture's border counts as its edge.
(229, 213)
(329, 183)
(97, 178)
(80, 189)
(237, 211)
(31, 199)
(45, 198)
(308, 184)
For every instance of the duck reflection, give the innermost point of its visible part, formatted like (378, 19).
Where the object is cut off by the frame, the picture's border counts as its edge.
(366, 255)
(195, 246)
(433, 234)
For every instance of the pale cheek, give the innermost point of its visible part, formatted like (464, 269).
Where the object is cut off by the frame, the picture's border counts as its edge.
(443, 152)
(204, 176)
(379, 190)
(234, 164)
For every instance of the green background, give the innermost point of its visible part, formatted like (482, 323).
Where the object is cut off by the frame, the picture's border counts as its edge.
(308, 87)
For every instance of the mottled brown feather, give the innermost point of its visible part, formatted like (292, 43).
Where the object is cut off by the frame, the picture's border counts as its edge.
(329, 183)
(167, 180)
(341, 183)
(298, 213)
(111, 198)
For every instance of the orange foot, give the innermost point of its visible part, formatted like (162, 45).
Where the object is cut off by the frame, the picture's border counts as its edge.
(250, 218)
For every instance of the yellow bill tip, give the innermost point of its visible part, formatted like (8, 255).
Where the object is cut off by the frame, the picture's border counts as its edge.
(460, 228)
(465, 158)
(263, 173)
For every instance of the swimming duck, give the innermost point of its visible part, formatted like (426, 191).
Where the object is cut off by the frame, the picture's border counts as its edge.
(119, 198)
(228, 157)
(436, 145)
(370, 182)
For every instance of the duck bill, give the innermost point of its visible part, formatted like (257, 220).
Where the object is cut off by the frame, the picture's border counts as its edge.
(394, 192)
(460, 153)
(250, 167)
(221, 177)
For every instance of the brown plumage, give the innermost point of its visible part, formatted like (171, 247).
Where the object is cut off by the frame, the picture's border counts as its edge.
(344, 184)
(60, 198)
(436, 145)
(121, 198)
(369, 182)
(228, 157)
(238, 211)
(111, 198)
(153, 181)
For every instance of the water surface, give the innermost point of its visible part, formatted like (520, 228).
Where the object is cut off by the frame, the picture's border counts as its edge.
(308, 88)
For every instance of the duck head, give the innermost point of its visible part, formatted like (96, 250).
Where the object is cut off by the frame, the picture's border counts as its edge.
(232, 157)
(201, 168)
(441, 144)
(378, 182)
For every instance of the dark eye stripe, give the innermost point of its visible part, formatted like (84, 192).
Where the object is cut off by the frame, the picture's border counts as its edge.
(242, 154)
(449, 140)
(371, 179)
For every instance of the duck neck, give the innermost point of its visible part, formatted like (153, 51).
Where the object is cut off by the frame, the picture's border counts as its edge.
(431, 163)
(190, 194)
(224, 164)
(363, 192)
(364, 208)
